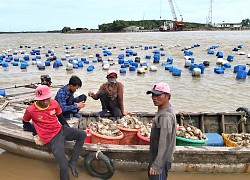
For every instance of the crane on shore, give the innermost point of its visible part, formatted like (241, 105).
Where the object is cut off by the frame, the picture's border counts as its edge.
(178, 25)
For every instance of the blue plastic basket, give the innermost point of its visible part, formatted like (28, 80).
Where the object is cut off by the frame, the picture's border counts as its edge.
(214, 139)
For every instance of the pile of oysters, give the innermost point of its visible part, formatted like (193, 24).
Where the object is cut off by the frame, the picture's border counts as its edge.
(146, 130)
(242, 139)
(129, 122)
(190, 132)
(106, 127)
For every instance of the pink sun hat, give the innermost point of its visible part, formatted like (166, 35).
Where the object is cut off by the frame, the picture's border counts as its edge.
(160, 88)
(43, 92)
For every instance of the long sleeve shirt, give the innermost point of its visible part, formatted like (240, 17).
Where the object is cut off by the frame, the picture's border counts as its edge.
(61, 97)
(115, 93)
(163, 138)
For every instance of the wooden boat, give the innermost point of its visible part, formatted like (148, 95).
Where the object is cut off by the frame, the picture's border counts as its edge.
(207, 159)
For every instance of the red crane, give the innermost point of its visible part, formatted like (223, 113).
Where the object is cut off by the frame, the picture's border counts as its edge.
(178, 24)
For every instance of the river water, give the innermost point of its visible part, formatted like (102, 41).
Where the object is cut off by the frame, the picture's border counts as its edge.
(210, 92)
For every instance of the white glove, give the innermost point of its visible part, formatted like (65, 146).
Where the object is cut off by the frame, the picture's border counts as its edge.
(38, 140)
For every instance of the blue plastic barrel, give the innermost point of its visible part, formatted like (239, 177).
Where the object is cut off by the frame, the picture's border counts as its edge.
(227, 65)
(5, 64)
(210, 51)
(120, 61)
(134, 64)
(176, 72)
(202, 67)
(2, 92)
(123, 70)
(241, 74)
(170, 60)
(90, 68)
(132, 68)
(80, 64)
(168, 67)
(239, 67)
(14, 63)
(219, 54)
(41, 67)
(230, 57)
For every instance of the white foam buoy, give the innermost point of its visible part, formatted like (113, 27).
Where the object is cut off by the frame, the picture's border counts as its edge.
(74, 61)
(187, 63)
(241, 53)
(69, 66)
(196, 72)
(91, 56)
(141, 71)
(152, 68)
(106, 66)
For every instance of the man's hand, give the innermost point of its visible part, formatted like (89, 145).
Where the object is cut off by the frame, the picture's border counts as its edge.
(125, 113)
(80, 105)
(152, 171)
(91, 93)
(38, 141)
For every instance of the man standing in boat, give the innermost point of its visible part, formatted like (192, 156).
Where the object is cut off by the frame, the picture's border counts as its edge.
(111, 96)
(65, 97)
(53, 130)
(46, 80)
(163, 133)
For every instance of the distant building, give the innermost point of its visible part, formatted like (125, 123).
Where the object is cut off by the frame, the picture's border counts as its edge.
(229, 25)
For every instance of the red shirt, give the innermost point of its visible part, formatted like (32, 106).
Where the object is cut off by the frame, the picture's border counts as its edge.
(45, 120)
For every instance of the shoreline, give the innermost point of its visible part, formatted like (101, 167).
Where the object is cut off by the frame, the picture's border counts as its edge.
(152, 30)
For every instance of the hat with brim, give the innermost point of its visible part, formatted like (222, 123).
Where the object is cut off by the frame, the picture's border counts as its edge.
(42, 92)
(159, 88)
(155, 92)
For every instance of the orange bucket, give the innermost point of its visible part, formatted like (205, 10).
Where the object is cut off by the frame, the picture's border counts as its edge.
(130, 136)
(143, 140)
(102, 139)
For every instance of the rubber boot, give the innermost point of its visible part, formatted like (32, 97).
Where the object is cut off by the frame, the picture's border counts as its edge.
(73, 169)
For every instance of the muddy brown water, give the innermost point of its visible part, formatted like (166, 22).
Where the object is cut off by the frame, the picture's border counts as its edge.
(210, 92)
(14, 167)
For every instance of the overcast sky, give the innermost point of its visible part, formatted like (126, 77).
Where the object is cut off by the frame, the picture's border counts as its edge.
(43, 15)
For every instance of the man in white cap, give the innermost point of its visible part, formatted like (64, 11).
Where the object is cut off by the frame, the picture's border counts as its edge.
(110, 94)
(163, 133)
(53, 130)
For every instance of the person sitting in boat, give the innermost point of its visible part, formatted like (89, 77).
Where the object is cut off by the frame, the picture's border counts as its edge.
(46, 80)
(52, 129)
(110, 94)
(65, 97)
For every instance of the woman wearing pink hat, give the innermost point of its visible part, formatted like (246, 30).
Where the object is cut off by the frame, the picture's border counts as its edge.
(111, 96)
(54, 130)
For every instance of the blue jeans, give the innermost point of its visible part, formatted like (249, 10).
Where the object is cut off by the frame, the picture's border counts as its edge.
(57, 146)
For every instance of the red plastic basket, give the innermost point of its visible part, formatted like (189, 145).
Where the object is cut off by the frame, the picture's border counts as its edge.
(102, 139)
(130, 136)
(89, 136)
(143, 140)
